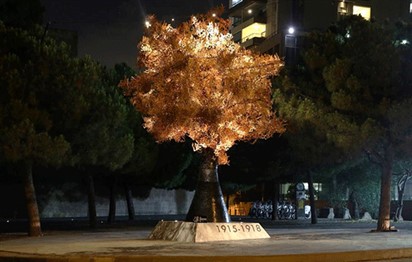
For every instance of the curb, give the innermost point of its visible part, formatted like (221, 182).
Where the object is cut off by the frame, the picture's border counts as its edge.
(351, 256)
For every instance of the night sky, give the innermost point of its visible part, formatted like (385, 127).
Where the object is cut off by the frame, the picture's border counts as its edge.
(109, 30)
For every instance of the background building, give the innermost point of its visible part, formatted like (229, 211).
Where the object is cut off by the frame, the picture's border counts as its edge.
(275, 26)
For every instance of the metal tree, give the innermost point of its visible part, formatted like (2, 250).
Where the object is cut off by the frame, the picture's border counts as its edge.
(199, 84)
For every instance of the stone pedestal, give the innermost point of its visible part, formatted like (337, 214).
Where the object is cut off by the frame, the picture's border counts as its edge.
(206, 232)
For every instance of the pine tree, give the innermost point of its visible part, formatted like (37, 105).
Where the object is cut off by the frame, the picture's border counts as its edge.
(353, 87)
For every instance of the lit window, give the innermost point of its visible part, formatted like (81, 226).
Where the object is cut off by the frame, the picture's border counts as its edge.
(363, 11)
(410, 7)
(254, 30)
(342, 8)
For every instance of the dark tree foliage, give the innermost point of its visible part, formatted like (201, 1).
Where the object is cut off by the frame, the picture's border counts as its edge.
(137, 170)
(353, 88)
(27, 113)
(56, 110)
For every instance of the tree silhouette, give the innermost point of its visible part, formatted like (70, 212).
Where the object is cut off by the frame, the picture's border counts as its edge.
(357, 93)
(26, 121)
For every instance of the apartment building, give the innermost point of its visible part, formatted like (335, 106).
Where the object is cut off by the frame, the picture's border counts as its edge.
(275, 26)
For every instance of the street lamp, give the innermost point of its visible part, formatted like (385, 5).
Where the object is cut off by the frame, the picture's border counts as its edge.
(290, 46)
(290, 38)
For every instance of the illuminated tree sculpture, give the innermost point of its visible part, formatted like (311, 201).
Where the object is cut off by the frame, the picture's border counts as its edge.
(199, 84)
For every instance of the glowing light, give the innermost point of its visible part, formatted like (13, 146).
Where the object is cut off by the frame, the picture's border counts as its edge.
(253, 30)
(214, 15)
(173, 19)
(291, 30)
(249, 11)
(147, 24)
(363, 11)
(404, 42)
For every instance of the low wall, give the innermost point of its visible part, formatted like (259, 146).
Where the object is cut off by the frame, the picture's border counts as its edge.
(158, 202)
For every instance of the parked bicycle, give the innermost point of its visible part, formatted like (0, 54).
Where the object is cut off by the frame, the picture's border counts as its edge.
(261, 209)
(286, 210)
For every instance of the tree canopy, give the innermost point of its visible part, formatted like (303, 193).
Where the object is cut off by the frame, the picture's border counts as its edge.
(25, 119)
(58, 110)
(200, 84)
(353, 87)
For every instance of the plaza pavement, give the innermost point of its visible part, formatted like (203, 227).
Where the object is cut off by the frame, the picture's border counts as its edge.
(334, 241)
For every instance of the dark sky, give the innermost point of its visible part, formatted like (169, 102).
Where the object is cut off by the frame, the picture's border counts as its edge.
(109, 30)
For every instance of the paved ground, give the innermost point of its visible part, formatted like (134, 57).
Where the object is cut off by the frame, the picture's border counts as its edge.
(290, 241)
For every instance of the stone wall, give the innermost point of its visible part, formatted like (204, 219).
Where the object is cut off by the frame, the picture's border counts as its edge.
(158, 202)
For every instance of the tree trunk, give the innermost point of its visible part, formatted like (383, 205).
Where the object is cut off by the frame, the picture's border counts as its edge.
(129, 201)
(354, 206)
(401, 188)
(208, 200)
(384, 223)
(112, 205)
(91, 202)
(314, 216)
(275, 201)
(32, 208)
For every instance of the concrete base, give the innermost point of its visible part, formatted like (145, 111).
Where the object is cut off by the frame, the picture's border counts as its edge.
(207, 232)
